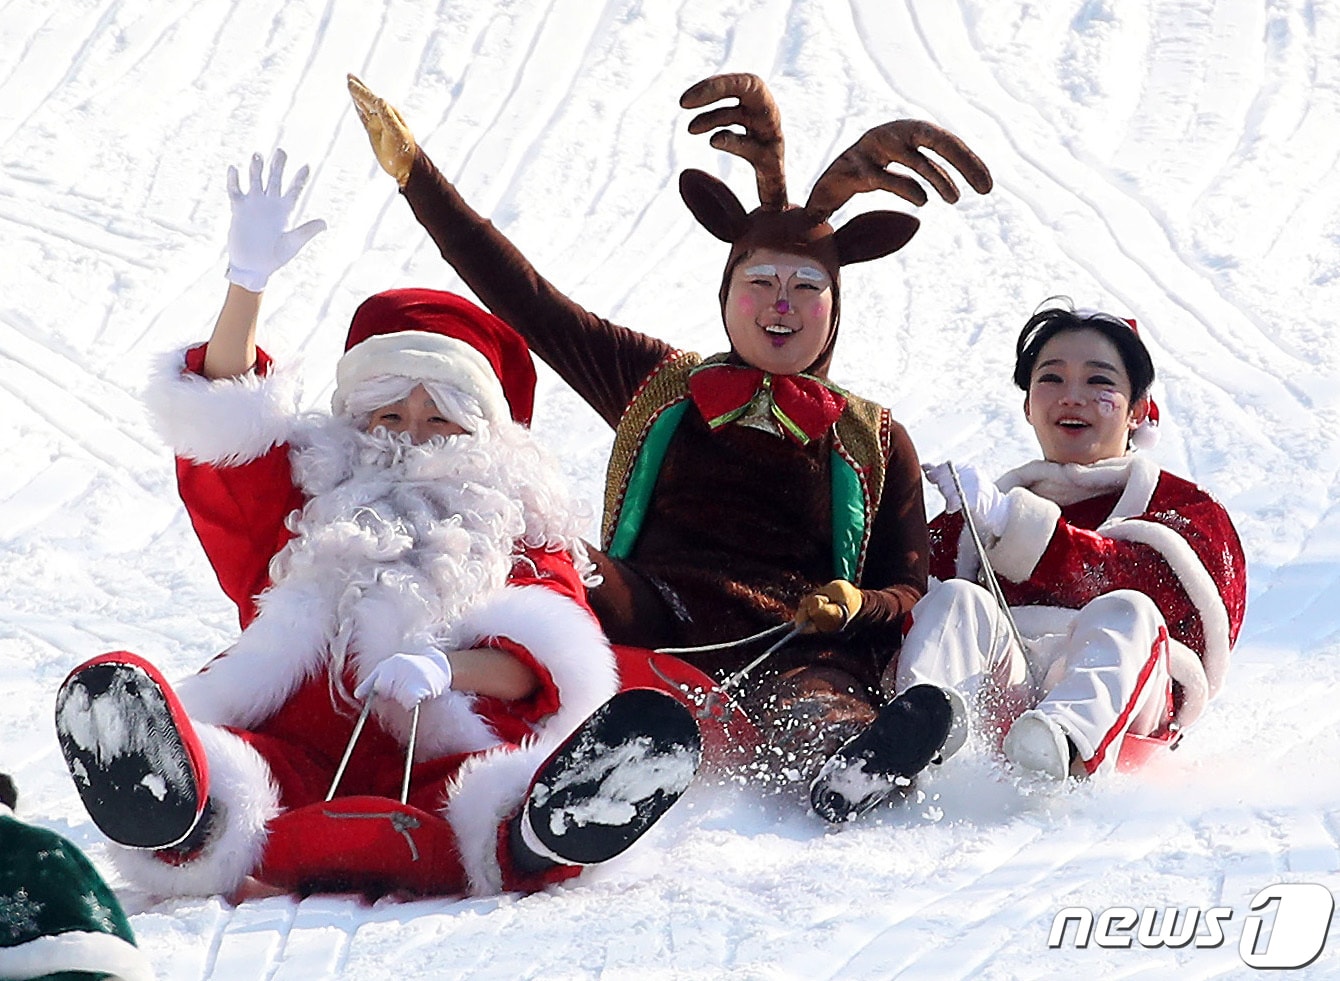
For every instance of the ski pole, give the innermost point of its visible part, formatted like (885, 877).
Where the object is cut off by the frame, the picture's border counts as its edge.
(988, 573)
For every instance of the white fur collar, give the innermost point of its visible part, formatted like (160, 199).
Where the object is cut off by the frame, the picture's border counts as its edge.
(1067, 483)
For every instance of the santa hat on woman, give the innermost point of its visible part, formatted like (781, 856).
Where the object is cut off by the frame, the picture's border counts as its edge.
(433, 336)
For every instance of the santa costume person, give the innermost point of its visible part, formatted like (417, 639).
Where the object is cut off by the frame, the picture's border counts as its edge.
(420, 697)
(1126, 583)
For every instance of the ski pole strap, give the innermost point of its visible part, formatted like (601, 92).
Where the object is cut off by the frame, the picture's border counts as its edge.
(349, 750)
(724, 645)
(987, 572)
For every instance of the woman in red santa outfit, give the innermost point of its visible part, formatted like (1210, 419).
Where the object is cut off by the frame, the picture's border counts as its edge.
(409, 577)
(1127, 583)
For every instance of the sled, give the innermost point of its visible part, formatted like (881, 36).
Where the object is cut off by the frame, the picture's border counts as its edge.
(377, 845)
(1136, 751)
(367, 844)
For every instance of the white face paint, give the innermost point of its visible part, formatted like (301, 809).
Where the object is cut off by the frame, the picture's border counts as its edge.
(808, 273)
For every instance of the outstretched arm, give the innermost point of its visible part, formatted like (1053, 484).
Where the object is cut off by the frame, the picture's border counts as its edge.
(603, 362)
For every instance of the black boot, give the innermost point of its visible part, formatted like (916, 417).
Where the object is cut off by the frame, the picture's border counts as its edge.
(132, 752)
(609, 782)
(907, 735)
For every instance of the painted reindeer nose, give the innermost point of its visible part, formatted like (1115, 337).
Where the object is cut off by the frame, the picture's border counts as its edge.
(783, 306)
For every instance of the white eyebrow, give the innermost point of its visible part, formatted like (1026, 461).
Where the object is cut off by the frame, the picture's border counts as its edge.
(764, 270)
(809, 272)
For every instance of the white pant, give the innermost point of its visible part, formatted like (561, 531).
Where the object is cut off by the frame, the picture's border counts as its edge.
(1104, 675)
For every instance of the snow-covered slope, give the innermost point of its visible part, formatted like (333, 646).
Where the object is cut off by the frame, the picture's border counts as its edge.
(1172, 160)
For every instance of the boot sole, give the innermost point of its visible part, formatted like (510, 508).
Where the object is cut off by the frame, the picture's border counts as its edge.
(903, 740)
(119, 732)
(612, 779)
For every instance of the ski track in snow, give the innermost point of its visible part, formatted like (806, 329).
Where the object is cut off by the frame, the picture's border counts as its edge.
(1171, 160)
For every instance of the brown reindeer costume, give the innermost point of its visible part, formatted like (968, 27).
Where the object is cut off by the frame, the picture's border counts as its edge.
(733, 494)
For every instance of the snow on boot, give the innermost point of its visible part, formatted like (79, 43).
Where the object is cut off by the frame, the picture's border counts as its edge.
(1035, 743)
(610, 781)
(906, 736)
(132, 751)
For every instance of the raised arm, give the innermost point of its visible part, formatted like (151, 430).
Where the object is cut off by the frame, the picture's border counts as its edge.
(603, 362)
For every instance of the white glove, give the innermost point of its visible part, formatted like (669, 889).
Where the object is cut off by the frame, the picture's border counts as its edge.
(408, 679)
(257, 241)
(990, 508)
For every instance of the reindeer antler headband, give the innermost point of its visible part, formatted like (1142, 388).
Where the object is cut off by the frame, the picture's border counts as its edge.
(862, 167)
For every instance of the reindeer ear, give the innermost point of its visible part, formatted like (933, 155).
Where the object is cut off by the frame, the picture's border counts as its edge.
(713, 203)
(873, 235)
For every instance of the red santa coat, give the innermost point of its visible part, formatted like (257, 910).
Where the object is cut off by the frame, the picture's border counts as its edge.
(1077, 532)
(265, 710)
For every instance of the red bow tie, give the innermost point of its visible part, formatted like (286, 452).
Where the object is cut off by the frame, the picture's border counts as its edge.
(803, 405)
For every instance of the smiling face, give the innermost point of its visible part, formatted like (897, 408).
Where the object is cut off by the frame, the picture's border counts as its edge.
(779, 311)
(1079, 399)
(416, 415)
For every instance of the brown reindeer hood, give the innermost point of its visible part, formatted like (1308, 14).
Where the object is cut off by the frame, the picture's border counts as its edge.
(804, 229)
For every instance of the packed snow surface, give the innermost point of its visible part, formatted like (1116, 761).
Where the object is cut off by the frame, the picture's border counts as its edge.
(1173, 161)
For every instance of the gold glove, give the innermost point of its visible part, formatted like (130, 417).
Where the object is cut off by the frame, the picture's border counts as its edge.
(831, 607)
(392, 141)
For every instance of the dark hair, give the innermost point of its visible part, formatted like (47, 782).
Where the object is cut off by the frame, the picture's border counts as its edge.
(1047, 323)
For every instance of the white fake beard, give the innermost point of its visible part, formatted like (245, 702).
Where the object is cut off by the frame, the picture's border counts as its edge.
(398, 541)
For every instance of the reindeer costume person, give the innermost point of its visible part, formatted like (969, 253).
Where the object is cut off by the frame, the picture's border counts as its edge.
(745, 489)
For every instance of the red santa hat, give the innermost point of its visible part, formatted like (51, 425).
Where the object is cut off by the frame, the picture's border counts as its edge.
(429, 335)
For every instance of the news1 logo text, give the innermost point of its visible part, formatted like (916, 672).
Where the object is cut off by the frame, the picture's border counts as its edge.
(1285, 929)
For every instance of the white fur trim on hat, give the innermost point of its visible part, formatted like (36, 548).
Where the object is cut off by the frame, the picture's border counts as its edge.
(98, 954)
(424, 356)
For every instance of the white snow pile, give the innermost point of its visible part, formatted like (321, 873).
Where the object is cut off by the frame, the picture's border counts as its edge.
(1173, 161)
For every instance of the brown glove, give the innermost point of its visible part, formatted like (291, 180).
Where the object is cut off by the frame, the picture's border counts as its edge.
(830, 608)
(392, 141)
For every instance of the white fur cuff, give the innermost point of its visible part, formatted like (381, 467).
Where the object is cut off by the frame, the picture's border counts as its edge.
(223, 422)
(1028, 531)
(559, 633)
(487, 790)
